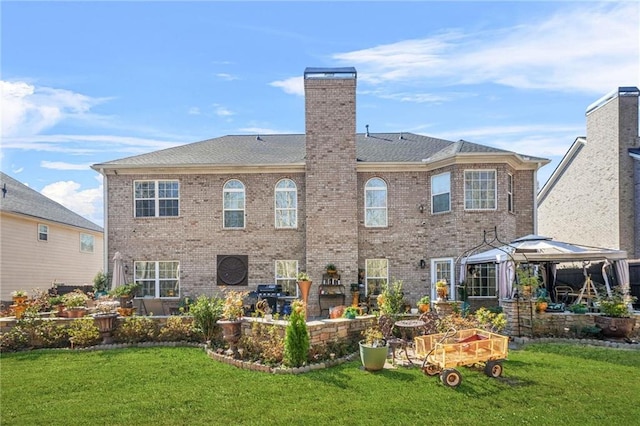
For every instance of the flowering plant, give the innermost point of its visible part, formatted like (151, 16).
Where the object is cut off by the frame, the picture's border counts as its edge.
(76, 299)
(303, 276)
(107, 306)
(233, 308)
(19, 293)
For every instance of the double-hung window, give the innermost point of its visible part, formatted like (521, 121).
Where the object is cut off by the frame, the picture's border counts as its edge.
(510, 206)
(156, 198)
(286, 275)
(441, 193)
(233, 194)
(286, 199)
(480, 189)
(43, 232)
(86, 243)
(375, 209)
(377, 275)
(157, 279)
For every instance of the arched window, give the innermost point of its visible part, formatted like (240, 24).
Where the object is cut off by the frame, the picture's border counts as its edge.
(233, 204)
(286, 201)
(375, 203)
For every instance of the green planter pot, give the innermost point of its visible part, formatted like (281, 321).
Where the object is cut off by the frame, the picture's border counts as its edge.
(373, 359)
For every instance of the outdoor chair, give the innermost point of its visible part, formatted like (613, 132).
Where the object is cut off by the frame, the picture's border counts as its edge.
(565, 294)
(430, 320)
(152, 306)
(386, 324)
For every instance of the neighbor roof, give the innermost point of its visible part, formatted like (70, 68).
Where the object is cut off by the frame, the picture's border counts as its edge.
(20, 199)
(290, 149)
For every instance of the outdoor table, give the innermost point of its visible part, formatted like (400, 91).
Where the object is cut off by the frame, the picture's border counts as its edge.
(406, 327)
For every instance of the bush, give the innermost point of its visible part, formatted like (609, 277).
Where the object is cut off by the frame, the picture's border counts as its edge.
(15, 339)
(206, 311)
(296, 343)
(135, 330)
(265, 344)
(178, 329)
(83, 332)
(391, 299)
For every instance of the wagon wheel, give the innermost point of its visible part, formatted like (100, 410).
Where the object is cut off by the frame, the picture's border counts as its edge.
(493, 368)
(430, 370)
(451, 377)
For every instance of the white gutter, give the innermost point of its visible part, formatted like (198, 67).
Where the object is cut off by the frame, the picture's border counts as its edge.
(105, 225)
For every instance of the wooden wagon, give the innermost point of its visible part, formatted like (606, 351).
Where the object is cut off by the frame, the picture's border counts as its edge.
(443, 352)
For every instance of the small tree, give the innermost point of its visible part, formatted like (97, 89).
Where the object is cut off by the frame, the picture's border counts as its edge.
(296, 342)
(206, 311)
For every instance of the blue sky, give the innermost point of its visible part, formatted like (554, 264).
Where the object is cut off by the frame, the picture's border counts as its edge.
(88, 82)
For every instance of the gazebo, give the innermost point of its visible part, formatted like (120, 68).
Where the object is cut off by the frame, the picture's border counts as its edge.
(544, 251)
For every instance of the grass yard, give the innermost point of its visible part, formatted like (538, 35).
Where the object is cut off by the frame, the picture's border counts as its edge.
(543, 384)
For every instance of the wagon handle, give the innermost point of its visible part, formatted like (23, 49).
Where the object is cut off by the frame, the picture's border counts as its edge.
(449, 333)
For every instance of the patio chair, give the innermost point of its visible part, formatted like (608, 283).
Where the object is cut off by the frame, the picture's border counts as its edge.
(152, 306)
(565, 294)
(430, 320)
(386, 324)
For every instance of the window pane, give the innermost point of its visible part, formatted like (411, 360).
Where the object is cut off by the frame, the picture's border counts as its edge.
(168, 189)
(86, 243)
(168, 208)
(441, 203)
(286, 272)
(376, 217)
(480, 189)
(145, 208)
(145, 189)
(376, 198)
(234, 200)
(441, 183)
(234, 219)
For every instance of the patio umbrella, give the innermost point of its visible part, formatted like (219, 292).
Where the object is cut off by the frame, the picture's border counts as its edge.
(119, 277)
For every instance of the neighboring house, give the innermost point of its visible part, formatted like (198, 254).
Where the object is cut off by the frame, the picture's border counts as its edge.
(42, 242)
(249, 210)
(593, 196)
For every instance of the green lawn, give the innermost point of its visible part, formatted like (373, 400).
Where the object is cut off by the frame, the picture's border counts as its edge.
(543, 384)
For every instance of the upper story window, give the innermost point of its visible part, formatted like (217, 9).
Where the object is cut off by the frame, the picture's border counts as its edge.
(43, 232)
(510, 206)
(233, 194)
(157, 279)
(376, 275)
(86, 243)
(375, 204)
(480, 189)
(441, 193)
(156, 198)
(286, 275)
(286, 199)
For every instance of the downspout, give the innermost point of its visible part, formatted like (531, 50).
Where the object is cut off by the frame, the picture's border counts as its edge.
(535, 201)
(105, 227)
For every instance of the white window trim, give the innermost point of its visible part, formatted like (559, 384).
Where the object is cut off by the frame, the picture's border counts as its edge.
(46, 232)
(366, 273)
(433, 193)
(276, 208)
(93, 243)
(157, 278)
(510, 193)
(386, 203)
(434, 278)
(495, 191)
(295, 276)
(495, 265)
(243, 210)
(156, 199)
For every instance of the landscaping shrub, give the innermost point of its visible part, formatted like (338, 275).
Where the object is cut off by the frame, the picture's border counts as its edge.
(296, 342)
(15, 339)
(177, 329)
(83, 332)
(265, 344)
(206, 311)
(135, 330)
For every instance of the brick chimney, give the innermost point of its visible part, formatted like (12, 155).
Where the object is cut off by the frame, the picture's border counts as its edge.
(331, 179)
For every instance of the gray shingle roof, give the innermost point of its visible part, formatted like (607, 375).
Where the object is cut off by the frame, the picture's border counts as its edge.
(21, 199)
(290, 149)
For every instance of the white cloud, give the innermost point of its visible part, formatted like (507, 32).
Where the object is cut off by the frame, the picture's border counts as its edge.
(225, 76)
(193, 111)
(262, 131)
(86, 144)
(292, 86)
(222, 111)
(28, 110)
(85, 202)
(59, 165)
(587, 47)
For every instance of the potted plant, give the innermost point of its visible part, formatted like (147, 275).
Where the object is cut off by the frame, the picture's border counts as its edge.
(19, 297)
(57, 302)
(542, 303)
(615, 319)
(126, 294)
(304, 284)
(75, 302)
(231, 321)
(331, 269)
(442, 291)
(424, 304)
(528, 282)
(578, 308)
(350, 312)
(100, 284)
(105, 318)
(373, 349)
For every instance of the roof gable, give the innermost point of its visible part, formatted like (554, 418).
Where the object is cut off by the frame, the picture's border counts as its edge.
(20, 199)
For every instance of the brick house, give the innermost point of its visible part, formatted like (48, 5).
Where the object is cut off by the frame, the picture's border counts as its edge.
(247, 210)
(593, 196)
(43, 242)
